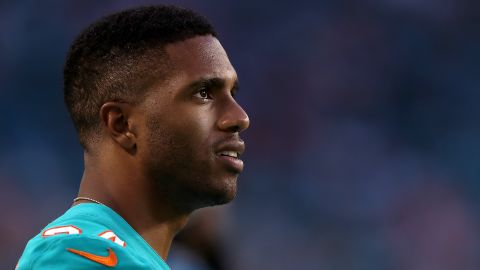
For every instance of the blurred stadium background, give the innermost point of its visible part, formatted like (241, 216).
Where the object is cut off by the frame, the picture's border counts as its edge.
(364, 147)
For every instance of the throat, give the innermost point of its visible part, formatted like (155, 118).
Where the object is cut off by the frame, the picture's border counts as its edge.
(160, 235)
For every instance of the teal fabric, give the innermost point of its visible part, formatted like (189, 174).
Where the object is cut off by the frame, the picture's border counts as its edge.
(89, 220)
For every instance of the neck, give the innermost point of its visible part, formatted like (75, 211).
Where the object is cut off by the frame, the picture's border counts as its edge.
(160, 234)
(156, 222)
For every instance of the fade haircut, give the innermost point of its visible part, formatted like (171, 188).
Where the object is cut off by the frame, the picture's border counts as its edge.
(119, 57)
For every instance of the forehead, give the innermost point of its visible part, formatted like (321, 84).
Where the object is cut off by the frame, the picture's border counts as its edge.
(199, 57)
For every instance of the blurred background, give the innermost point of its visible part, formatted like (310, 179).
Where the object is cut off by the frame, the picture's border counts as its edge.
(363, 150)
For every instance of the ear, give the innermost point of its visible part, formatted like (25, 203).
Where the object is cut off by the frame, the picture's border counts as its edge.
(117, 121)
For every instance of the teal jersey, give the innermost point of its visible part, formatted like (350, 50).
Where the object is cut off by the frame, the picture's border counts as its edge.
(89, 236)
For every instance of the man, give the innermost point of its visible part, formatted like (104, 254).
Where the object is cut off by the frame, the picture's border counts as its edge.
(151, 94)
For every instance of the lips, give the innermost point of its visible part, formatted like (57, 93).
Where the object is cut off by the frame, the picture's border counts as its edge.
(228, 153)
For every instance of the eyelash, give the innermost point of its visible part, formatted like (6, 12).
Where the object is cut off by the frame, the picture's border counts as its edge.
(209, 96)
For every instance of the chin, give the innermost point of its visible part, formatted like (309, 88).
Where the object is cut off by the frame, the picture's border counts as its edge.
(219, 195)
(224, 198)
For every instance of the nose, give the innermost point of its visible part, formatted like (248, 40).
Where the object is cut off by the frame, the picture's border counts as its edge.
(233, 118)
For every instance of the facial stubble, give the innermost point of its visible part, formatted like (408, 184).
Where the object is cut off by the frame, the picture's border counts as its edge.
(182, 168)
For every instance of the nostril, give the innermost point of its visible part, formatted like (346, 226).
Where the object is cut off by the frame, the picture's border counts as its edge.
(237, 128)
(234, 129)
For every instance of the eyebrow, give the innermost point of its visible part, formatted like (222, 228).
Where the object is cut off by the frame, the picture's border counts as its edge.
(213, 83)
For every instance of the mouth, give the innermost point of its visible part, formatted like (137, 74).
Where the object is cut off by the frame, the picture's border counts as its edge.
(229, 155)
(233, 164)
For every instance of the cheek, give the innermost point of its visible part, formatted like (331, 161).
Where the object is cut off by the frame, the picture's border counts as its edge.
(186, 135)
(194, 126)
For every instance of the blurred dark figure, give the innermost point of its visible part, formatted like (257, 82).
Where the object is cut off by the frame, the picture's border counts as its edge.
(200, 245)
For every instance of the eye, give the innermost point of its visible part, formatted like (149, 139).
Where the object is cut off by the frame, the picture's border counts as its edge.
(203, 94)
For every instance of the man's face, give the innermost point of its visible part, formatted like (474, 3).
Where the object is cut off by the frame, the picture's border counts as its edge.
(192, 124)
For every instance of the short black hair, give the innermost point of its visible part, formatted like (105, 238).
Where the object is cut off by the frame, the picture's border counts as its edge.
(119, 57)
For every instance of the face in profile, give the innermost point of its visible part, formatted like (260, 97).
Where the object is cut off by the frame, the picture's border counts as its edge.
(192, 149)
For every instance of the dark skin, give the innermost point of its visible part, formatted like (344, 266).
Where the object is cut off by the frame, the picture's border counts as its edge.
(159, 160)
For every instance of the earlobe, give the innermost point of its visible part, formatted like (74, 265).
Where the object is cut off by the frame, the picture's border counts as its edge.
(116, 122)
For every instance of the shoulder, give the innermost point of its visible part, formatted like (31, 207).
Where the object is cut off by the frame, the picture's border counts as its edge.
(68, 247)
